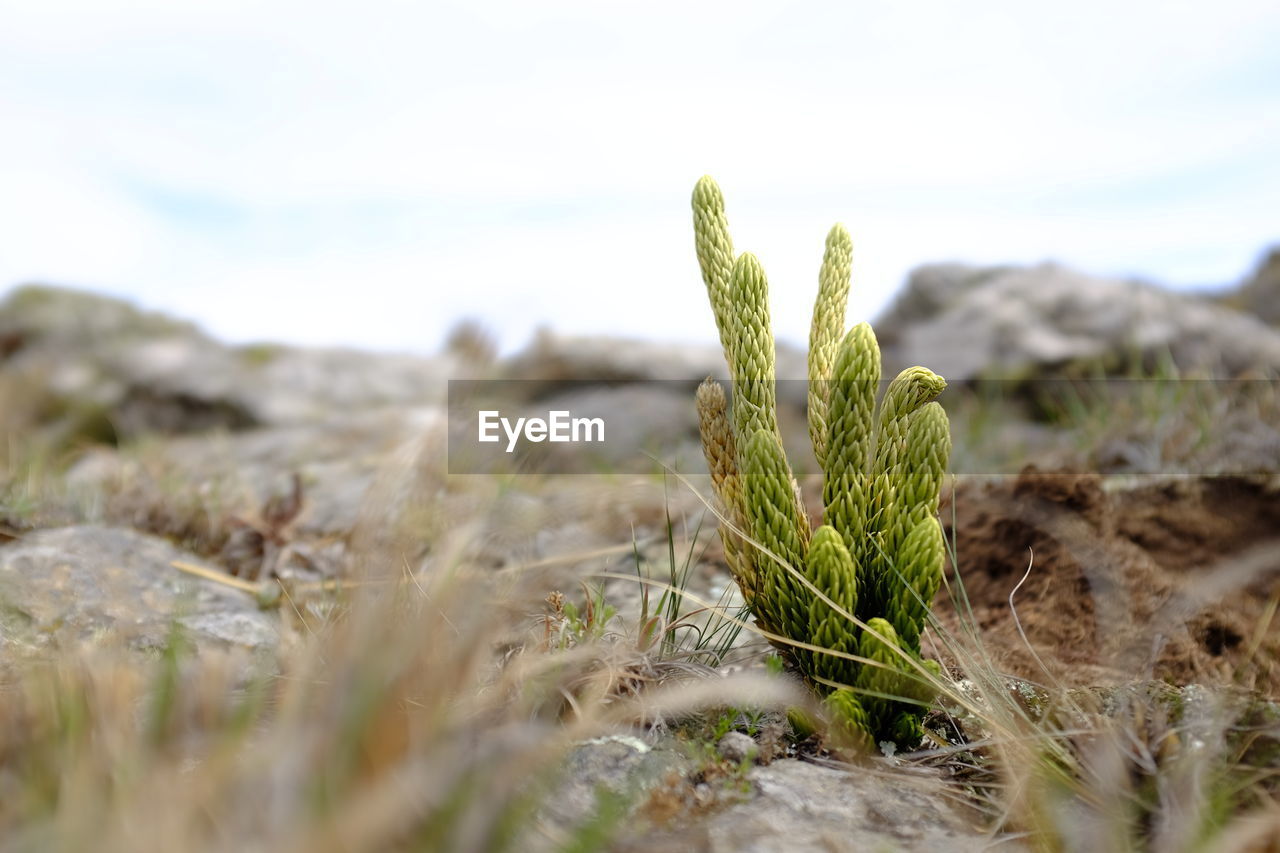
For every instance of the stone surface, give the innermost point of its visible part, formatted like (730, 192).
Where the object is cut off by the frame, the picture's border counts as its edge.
(737, 747)
(614, 765)
(796, 805)
(930, 289)
(553, 359)
(1023, 322)
(338, 460)
(71, 584)
(1260, 293)
(146, 373)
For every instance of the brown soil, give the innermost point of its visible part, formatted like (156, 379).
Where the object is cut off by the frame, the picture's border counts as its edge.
(1174, 580)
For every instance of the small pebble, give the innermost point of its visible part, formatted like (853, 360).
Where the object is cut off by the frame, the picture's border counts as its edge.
(737, 747)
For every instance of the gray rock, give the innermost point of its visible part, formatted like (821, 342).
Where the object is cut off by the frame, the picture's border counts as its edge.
(552, 360)
(1023, 322)
(71, 584)
(146, 373)
(738, 747)
(301, 385)
(614, 765)
(930, 289)
(1260, 293)
(802, 806)
(338, 460)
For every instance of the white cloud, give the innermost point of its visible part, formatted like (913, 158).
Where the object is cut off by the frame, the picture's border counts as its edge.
(367, 173)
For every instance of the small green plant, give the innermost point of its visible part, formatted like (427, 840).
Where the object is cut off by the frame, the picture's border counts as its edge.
(748, 720)
(568, 625)
(704, 634)
(845, 604)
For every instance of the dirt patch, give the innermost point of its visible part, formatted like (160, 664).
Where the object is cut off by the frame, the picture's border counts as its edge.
(1174, 580)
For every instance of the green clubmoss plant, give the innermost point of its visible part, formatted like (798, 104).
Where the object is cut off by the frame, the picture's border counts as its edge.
(845, 603)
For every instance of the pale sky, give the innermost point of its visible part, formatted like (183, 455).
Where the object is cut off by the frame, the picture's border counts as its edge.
(369, 173)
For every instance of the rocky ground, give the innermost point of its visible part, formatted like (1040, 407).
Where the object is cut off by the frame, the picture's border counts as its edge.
(1117, 444)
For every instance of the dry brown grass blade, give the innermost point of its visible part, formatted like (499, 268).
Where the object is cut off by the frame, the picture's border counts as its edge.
(219, 577)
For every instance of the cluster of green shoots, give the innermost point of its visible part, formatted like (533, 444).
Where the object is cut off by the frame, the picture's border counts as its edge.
(845, 603)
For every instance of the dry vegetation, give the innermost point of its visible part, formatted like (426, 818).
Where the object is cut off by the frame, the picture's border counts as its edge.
(430, 701)
(430, 711)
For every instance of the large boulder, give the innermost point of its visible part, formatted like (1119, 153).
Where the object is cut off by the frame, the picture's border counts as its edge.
(554, 363)
(930, 289)
(552, 358)
(1260, 293)
(1023, 322)
(142, 372)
